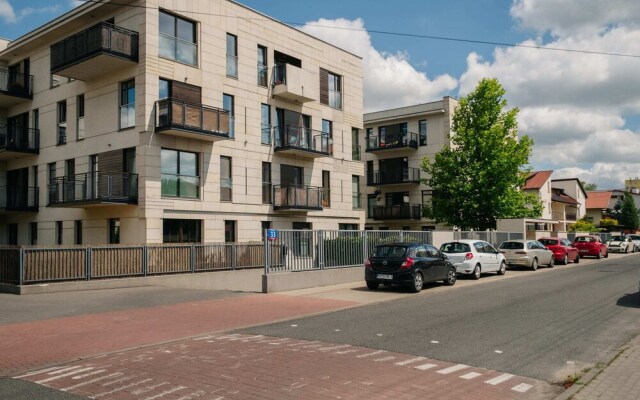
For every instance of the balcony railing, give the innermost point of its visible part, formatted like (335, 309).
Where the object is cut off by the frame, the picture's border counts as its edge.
(570, 217)
(16, 84)
(300, 139)
(192, 120)
(19, 199)
(94, 188)
(559, 216)
(356, 154)
(103, 38)
(335, 99)
(403, 211)
(390, 176)
(24, 140)
(392, 141)
(300, 197)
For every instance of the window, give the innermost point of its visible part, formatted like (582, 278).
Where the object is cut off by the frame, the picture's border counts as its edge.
(77, 232)
(62, 122)
(327, 127)
(326, 189)
(180, 176)
(372, 201)
(330, 89)
(355, 190)
(226, 182)
(264, 225)
(33, 233)
(228, 105)
(232, 56)
(229, 231)
(181, 230)
(266, 183)
(265, 123)
(164, 89)
(128, 104)
(348, 227)
(36, 119)
(422, 131)
(114, 231)
(355, 144)
(59, 232)
(13, 234)
(263, 69)
(70, 180)
(80, 117)
(427, 196)
(178, 39)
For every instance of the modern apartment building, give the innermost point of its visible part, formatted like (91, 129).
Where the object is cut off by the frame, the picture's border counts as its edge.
(150, 121)
(395, 142)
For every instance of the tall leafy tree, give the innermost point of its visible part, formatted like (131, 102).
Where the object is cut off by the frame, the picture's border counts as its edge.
(478, 178)
(628, 216)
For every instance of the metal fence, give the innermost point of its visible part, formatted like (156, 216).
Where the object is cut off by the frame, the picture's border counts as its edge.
(493, 237)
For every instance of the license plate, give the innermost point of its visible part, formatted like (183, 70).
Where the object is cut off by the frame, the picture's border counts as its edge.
(584, 251)
(385, 276)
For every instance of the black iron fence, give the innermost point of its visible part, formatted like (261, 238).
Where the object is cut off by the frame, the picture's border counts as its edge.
(16, 83)
(22, 140)
(108, 187)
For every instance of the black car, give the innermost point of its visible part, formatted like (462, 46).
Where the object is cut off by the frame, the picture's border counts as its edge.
(408, 264)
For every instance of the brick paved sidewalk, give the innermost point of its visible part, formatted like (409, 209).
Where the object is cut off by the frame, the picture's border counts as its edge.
(620, 380)
(25, 346)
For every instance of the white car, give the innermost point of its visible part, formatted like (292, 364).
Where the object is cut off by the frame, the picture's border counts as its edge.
(636, 241)
(621, 244)
(474, 257)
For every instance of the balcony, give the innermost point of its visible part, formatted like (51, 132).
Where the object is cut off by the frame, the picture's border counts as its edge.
(20, 199)
(294, 84)
(18, 142)
(560, 216)
(303, 142)
(195, 121)
(94, 52)
(15, 88)
(297, 198)
(404, 211)
(394, 177)
(386, 142)
(94, 189)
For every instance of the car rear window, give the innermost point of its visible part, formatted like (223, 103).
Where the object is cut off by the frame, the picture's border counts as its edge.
(390, 251)
(634, 237)
(548, 242)
(512, 246)
(585, 239)
(455, 248)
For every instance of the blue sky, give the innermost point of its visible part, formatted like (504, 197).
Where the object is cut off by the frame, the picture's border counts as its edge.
(582, 111)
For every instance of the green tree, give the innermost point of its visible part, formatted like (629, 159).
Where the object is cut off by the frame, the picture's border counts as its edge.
(583, 225)
(608, 223)
(478, 178)
(629, 213)
(589, 187)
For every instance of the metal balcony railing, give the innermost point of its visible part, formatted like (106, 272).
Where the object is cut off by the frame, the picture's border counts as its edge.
(335, 99)
(101, 38)
(297, 197)
(391, 176)
(403, 211)
(98, 187)
(20, 198)
(21, 140)
(392, 141)
(177, 114)
(16, 83)
(280, 74)
(301, 138)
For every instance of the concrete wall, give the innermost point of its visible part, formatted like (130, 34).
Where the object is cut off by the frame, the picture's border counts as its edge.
(281, 282)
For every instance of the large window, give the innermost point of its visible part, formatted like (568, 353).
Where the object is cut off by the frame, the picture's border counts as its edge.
(372, 201)
(330, 89)
(266, 183)
(178, 39)
(326, 189)
(265, 123)
(33, 233)
(80, 117)
(77, 232)
(422, 130)
(232, 55)
(355, 190)
(62, 122)
(228, 105)
(128, 104)
(263, 69)
(114, 231)
(226, 182)
(355, 144)
(181, 230)
(230, 231)
(180, 176)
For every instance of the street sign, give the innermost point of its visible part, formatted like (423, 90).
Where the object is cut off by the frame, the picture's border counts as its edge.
(272, 234)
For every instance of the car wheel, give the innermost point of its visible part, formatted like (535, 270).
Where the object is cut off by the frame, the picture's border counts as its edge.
(565, 260)
(477, 272)
(418, 282)
(451, 277)
(534, 264)
(577, 260)
(552, 263)
(503, 268)
(606, 254)
(599, 256)
(372, 285)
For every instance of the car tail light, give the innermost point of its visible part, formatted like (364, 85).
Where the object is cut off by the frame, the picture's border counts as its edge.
(367, 263)
(407, 263)
(521, 252)
(468, 256)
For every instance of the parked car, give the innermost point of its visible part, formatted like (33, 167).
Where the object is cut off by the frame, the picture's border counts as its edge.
(474, 257)
(621, 244)
(563, 250)
(408, 264)
(591, 245)
(527, 253)
(636, 242)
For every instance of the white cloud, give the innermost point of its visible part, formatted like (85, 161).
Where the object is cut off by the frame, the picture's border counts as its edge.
(76, 3)
(27, 11)
(6, 12)
(605, 175)
(11, 16)
(390, 80)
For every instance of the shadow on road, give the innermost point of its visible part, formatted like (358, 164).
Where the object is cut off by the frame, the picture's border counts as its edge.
(631, 300)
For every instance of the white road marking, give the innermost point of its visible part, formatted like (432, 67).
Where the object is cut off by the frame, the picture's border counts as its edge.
(334, 347)
(412, 360)
(499, 351)
(204, 338)
(149, 388)
(172, 390)
(470, 375)
(92, 381)
(120, 388)
(42, 371)
(523, 387)
(96, 372)
(454, 368)
(189, 396)
(435, 342)
(425, 367)
(371, 354)
(53, 378)
(499, 379)
(378, 334)
(294, 325)
(64, 370)
(347, 351)
(385, 359)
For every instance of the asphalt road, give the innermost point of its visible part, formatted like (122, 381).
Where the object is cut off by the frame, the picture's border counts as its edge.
(542, 325)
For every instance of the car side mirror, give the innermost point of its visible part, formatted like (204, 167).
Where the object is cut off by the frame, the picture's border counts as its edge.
(444, 256)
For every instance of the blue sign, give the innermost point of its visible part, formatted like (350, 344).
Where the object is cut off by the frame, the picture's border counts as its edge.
(272, 234)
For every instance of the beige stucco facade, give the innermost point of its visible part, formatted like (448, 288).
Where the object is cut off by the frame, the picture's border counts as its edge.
(103, 134)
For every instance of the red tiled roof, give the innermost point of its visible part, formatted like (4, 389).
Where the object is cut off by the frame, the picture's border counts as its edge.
(563, 198)
(598, 200)
(537, 179)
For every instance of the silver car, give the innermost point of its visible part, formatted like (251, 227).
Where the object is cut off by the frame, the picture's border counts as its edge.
(636, 242)
(527, 253)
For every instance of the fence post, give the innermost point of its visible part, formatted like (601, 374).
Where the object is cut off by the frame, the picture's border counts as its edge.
(87, 262)
(192, 258)
(234, 256)
(267, 255)
(21, 266)
(320, 247)
(145, 260)
(365, 252)
(401, 236)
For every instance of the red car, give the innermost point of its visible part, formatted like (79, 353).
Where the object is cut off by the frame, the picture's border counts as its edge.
(591, 245)
(563, 250)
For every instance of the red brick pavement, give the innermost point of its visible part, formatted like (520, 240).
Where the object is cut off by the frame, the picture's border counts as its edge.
(221, 367)
(25, 346)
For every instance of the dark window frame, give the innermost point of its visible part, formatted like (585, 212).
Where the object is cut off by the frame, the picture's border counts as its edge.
(178, 174)
(177, 40)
